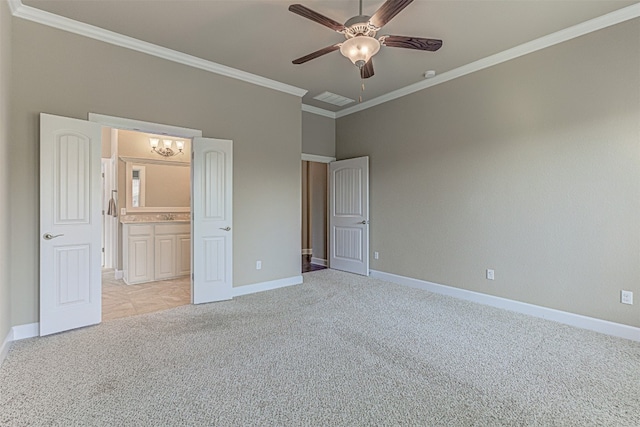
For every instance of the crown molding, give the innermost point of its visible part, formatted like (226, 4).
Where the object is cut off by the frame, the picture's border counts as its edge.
(29, 13)
(604, 21)
(14, 5)
(319, 111)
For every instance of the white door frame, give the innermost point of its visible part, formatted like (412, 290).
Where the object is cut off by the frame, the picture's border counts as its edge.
(108, 222)
(319, 159)
(141, 126)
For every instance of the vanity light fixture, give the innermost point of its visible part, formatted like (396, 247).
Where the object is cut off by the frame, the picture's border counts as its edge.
(166, 150)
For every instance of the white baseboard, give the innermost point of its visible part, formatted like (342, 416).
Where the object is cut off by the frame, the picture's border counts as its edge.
(6, 345)
(118, 274)
(29, 330)
(319, 261)
(577, 320)
(307, 251)
(266, 286)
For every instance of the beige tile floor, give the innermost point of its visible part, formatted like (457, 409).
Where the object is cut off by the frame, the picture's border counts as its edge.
(122, 300)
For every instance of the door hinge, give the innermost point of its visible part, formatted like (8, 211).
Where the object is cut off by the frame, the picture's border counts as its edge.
(193, 277)
(103, 212)
(102, 250)
(103, 174)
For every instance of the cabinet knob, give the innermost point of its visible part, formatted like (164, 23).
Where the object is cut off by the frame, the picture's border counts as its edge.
(226, 229)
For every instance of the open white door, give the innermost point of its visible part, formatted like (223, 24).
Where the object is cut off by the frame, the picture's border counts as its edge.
(70, 224)
(349, 215)
(211, 219)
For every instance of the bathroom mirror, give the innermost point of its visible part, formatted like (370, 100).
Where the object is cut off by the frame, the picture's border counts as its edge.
(157, 186)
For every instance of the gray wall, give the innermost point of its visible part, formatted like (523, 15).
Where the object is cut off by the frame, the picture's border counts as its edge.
(318, 135)
(531, 168)
(5, 95)
(69, 75)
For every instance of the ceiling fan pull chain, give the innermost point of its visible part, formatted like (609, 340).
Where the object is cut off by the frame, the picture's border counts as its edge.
(361, 90)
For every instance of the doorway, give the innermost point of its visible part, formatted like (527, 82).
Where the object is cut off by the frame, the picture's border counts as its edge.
(314, 213)
(156, 200)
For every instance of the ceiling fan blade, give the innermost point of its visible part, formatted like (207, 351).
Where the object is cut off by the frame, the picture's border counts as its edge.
(367, 70)
(418, 43)
(305, 12)
(316, 54)
(387, 11)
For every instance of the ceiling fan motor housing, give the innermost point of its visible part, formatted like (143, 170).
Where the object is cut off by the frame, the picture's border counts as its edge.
(359, 26)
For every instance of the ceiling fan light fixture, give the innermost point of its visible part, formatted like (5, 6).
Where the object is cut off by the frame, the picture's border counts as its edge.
(360, 49)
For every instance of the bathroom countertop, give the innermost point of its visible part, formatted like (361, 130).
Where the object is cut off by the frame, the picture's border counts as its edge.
(164, 218)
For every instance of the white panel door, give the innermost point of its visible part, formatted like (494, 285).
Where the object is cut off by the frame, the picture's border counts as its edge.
(211, 219)
(349, 215)
(70, 224)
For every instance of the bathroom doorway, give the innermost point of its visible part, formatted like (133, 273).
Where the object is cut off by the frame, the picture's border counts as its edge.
(146, 223)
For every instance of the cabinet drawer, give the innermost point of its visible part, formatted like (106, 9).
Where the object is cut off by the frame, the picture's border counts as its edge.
(140, 230)
(173, 229)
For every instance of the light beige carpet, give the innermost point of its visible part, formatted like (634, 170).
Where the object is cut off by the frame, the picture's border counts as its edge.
(338, 350)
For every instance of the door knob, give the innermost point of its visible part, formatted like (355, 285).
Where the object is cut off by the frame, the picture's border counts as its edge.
(226, 229)
(49, 236)
(364, 222)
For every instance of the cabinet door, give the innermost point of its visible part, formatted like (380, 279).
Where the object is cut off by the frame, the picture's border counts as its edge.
(165, 257)
(183, 243)
(140, 259)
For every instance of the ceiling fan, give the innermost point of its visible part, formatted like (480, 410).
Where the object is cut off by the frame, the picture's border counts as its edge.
(360, 31)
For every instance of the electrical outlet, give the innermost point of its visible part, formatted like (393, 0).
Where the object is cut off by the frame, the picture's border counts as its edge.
(258, 265)
(376, 255)
(490, 274)
(626, 297)
(123, 211)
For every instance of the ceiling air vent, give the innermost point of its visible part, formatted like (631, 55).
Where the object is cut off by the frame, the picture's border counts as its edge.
(332, 98)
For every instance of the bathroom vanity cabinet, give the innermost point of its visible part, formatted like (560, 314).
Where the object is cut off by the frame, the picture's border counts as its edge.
(156, 251)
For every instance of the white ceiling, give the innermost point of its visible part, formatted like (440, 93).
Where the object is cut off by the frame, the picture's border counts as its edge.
(262, 37)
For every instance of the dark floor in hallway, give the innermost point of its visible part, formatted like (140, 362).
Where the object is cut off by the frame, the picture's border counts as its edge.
(307, 266)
